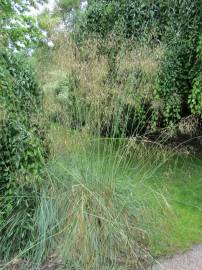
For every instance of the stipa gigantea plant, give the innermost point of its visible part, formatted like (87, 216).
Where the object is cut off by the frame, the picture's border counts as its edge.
(100, 209)
(102, 213)
(96, 206)
(91, 96)
(95, 209)
(104, 216)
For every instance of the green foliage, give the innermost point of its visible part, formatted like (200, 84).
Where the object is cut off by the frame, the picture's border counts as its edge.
(67, 95)
(48, 22)
(17, 28)
(140, 19)
(20, 92)
(22, 151)
(67, 5)
(68, 11)
(136, 20)
(178, 66)
(195, 98)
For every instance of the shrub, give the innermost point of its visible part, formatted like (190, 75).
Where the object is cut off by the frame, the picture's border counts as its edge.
(195, 98)
(135, 20)
(178, 65)
(22, 148)
(20, 90)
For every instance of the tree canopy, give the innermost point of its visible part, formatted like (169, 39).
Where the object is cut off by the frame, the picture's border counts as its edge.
(18, 29)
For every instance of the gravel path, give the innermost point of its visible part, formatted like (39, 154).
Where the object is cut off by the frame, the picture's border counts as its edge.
(190, 260)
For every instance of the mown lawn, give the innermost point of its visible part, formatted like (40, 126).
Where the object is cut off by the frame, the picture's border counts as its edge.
(182, 178)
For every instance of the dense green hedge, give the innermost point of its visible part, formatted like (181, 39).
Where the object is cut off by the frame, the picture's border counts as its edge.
(180, 62)
(195, 97)
(22, 148)
(142, 19)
